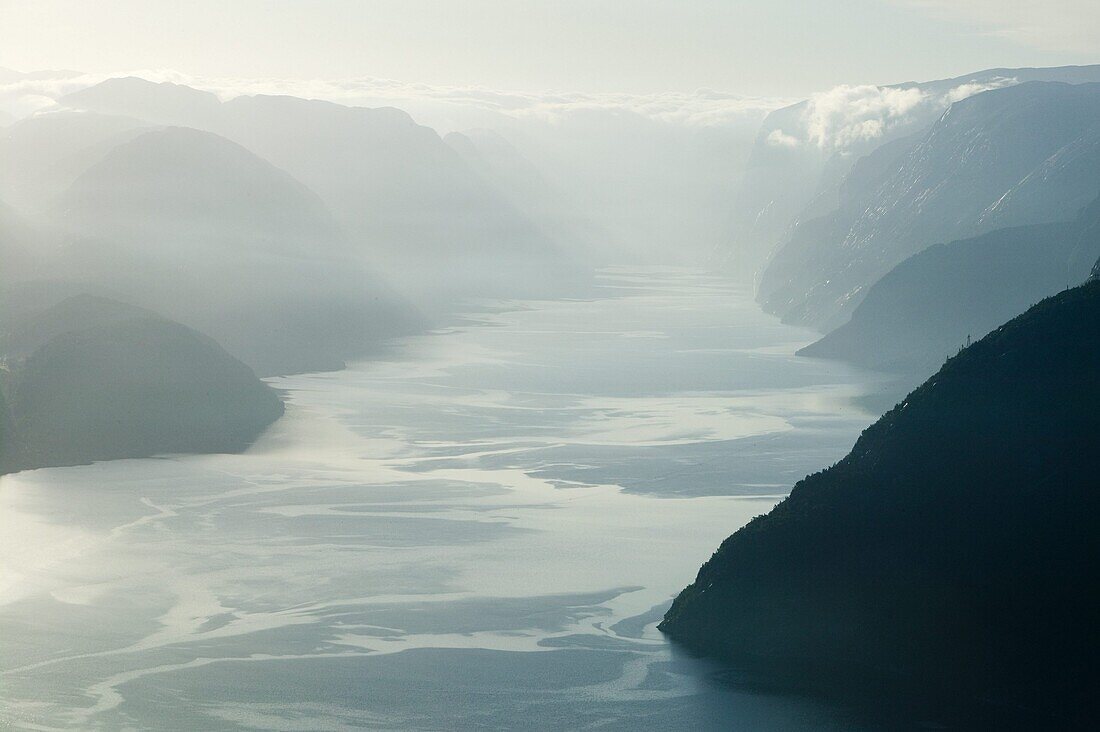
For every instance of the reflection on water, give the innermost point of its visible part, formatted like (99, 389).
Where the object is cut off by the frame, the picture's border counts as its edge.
(481, 531)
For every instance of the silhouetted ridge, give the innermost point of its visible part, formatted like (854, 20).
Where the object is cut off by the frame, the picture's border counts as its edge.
(955, 551)
(112, 381)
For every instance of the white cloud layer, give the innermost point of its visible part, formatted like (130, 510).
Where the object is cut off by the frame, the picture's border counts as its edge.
(442, 107)
(847, 115)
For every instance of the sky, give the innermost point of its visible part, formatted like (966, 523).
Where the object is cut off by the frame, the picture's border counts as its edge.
(780, 48)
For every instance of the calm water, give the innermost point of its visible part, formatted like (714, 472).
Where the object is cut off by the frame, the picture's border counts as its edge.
(481, 531)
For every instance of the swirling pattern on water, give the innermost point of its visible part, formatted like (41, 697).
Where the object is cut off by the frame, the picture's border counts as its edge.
(480, 530)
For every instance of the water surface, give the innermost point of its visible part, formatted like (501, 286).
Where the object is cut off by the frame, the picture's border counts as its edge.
(480, 531)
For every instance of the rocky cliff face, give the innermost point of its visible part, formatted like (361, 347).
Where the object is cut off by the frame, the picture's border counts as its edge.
(800, 157)
(1007, 157)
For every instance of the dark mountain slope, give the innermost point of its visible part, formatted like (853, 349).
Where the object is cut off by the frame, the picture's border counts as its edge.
(112, 381)
(954, 551)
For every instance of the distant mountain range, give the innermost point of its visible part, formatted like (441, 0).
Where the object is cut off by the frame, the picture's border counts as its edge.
(409, 201)
(1005, 157)
(41, 155)
(197, 227)
(953, 553)
(804, 152)
(144, 227)
(519, 180)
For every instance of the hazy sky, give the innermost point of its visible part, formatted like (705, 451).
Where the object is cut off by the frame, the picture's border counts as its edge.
(774, 47)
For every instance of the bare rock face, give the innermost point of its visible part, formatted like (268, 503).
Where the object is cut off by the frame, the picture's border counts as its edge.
(1007, 157)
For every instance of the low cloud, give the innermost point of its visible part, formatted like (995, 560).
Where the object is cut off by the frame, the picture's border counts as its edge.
(443, 107)
(846, 115)
(835, 119)
(779, 138)
(962, 91)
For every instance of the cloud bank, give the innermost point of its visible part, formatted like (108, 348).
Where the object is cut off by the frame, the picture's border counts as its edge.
(845, 116)
(442, 107)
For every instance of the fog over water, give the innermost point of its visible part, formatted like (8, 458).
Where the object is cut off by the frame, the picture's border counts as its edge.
(481, 528)
(549, 365)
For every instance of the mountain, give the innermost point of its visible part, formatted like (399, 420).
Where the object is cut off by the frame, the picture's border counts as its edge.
(112, 381)
(192, 225)
(41, 155)
(405, 197)
(181, 178)
(21, 246)
(927, 307)
(953, 552)
(498, 161)
(27, 326)
(503, 166)
(804, 151)
(1001, 158)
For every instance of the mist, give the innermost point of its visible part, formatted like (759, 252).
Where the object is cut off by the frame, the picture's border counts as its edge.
(548, 366)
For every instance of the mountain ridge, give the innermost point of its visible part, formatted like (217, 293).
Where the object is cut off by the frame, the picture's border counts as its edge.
(955, 182)
(953, 552)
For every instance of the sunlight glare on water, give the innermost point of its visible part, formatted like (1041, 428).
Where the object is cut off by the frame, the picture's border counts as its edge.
(481, 529)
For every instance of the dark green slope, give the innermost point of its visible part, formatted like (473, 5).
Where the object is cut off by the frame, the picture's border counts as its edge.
(111, 381)
(954, 551)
